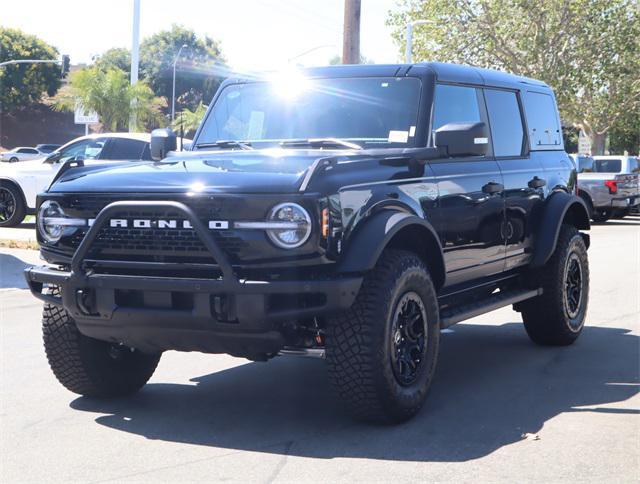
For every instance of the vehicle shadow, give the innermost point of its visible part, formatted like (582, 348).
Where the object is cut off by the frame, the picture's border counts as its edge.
(26, 225)
(11, 272)
(493, 387)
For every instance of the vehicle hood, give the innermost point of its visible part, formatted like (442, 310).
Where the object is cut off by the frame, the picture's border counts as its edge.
(256, 171)
(21, 167)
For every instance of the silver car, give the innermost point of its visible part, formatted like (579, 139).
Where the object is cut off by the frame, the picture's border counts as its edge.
(21, 153)
(609, 185)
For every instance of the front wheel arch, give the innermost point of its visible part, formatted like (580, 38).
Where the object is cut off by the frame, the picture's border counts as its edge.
(391, 229)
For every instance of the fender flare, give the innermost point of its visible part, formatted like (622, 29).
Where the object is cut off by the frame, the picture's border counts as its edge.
(558, 207)
(375, 233)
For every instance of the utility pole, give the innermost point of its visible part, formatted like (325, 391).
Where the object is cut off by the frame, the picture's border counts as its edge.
(351, 36)
(135, 48)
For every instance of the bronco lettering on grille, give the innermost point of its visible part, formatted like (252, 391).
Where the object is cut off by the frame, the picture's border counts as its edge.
(160, 224)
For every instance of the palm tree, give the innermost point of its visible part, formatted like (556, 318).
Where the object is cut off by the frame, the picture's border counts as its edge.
(108, 93)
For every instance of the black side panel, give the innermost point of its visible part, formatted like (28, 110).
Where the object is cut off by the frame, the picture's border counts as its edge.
(559, 206)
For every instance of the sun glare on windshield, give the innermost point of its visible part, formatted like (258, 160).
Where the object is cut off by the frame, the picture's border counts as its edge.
(289, 83)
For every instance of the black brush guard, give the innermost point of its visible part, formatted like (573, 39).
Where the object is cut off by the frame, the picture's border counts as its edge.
(218, 315)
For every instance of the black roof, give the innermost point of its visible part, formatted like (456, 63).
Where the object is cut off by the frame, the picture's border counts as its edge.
(443, 72)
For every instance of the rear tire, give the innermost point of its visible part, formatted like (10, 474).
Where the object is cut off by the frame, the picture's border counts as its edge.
(89, 366)
(382, 352)
(12, 207)
(600, 215)
(13, 160)
(557, 317)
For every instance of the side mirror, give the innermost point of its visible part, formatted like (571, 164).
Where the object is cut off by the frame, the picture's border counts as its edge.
(463, 139)
(53, 157)
(162, 141)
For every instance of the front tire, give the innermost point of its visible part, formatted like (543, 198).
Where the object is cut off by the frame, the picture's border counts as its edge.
(12, 207)
(557, 317)
(88, 366)
(382, 352)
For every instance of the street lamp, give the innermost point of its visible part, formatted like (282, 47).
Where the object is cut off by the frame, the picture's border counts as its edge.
(409, 37)
(173, 95)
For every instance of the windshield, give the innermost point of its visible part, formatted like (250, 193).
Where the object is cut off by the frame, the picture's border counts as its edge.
(371, 112)
(607, 166)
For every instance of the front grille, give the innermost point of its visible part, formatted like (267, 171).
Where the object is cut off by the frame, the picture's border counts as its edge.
(158, 244)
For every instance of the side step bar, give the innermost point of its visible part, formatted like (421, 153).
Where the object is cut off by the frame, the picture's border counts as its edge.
(450, 317)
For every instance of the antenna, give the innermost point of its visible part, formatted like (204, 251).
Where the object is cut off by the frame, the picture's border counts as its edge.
(181, 132)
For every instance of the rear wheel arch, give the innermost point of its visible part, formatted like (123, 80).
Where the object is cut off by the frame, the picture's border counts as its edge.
(561, 208)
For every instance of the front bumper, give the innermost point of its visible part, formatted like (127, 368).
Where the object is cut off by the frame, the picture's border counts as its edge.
(213, 315)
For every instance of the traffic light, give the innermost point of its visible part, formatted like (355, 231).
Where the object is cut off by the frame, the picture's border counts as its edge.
(64, 66)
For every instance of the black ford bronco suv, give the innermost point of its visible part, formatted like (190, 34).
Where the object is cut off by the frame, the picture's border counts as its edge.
(348, 213)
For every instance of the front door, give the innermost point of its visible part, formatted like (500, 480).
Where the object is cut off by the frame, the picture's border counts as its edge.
(470, 211)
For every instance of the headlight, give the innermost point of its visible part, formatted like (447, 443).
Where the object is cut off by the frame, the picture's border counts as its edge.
(295, 222)
(53, 222)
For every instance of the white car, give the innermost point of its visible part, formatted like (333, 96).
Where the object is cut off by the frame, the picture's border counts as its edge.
(20, 183)
(21, 153)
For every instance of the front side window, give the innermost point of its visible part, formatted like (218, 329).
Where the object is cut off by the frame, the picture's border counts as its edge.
(455, 104)
(506, 122)
(88, 149)
(585, 164)
(370, 112)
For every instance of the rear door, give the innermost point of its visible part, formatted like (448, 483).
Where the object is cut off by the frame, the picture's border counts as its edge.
(470, 205)
(523, 175)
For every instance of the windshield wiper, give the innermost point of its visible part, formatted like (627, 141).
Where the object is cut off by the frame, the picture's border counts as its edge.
(243, 145)
(320, 143)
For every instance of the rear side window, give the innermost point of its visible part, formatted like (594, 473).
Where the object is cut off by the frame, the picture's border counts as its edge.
(542, 121)
(608, 166)
(126, 149)
(506, 122)
(635, 165)
(585, 164)
(455, 104)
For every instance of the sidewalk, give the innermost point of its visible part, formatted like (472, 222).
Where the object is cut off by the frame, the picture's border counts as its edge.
(24, 236)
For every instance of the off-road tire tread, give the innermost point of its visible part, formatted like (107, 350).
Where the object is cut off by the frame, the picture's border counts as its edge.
(544, 317)
(83, 372)
(351, 341)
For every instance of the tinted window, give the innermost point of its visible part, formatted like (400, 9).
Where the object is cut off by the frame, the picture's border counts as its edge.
(455, 104)
(126, 149)
(29, 151)
(506, 123)
(542, 119)
(635, 165)
(608, 166)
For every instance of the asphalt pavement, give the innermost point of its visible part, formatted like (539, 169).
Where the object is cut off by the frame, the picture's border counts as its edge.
(501, 409)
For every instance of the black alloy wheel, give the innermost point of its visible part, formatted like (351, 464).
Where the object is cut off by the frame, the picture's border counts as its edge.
(408, 337)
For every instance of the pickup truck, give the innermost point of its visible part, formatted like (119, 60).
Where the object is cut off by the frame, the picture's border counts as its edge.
(609, 185)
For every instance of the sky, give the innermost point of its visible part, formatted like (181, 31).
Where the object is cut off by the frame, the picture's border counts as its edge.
(254, 34)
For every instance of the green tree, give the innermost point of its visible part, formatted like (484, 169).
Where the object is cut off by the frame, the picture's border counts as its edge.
(189, 120)
(110, 95)
(116, 57)
(200, 68)
(587, 50)
(22, 85)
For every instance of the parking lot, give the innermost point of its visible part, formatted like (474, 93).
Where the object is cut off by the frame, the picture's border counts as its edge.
(501, 409)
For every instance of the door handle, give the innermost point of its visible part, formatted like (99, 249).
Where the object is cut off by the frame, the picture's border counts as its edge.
(536, 182)
(492, 187)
